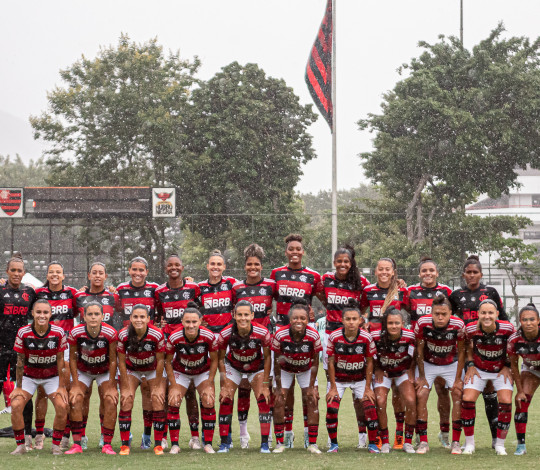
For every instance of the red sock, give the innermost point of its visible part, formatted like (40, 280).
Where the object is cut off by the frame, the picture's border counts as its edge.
(503, 422)
(84, 423)
(279, 429)
(421, 430)
(40, 426)
(19, 436)
(444, 426)
(208, 417)
(124, 424)
(67, 429)
(57, 436)
(158, 417)
(370, 412)
(468, 416)
(173, 417)
(225, 417)
(265, 418)
(313, 432)
(76, 431)
(383, 433)
(243, 403)
(289, 418)
(521, 417)
(108, 435)
(456, 430)
(400, 420)
(409, 433)
(332, 410)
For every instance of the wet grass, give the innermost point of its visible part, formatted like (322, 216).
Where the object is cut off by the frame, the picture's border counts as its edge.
(348, 455)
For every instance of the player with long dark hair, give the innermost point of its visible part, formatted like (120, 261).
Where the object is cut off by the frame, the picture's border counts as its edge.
(465, 304)
(141, 349)
(525, 343)
(487, 340)
(294, 281)
(296, 349)
(40, 350)
(339, 287)
(394, 365)
(260, 292)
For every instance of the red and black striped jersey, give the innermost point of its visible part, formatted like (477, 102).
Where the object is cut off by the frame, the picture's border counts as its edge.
(217, 303)
(63, 305)
(15, 307)
(373, 297)
(337, 294)
(440, 345)
(350, 356)
(296, 356)
(421, 298)
(92, 352)
(171, 303)
(394, 357)
(489, 349)
(292, 284)
(40, 351)
(130, 296)
(191, 357)
(529, 350)
(465, 302)
(108, 301)
(244, 353)
(144, 358)
(260, 295)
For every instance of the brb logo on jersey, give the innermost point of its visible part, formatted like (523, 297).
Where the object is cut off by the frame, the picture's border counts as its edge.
(337, 299)
(214, 303)
(291, 291)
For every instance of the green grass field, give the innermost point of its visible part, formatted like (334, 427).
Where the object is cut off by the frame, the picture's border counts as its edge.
(291, 458)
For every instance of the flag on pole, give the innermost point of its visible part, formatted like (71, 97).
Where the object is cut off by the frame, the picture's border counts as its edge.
(319, 68)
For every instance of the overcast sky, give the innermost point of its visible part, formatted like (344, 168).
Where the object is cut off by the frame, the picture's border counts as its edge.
(37, 38)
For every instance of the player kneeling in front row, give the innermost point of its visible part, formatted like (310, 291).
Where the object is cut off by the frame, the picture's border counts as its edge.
(350, 365)
(525, 342)
(296, 354)
(141, 349)
(191, 358)
(486, 359)
(92, 356)
(440, 341)
(40, 350)
(395, 352)
(245, 349)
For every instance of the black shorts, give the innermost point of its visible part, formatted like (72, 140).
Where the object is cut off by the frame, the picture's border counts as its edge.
(8, 360)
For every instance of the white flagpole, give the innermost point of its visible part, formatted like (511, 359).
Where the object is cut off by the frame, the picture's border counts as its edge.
(334, 136)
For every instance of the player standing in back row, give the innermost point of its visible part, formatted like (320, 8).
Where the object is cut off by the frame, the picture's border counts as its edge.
(294, 281)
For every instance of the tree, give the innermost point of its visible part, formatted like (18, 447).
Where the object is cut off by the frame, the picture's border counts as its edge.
(119, 119)
(520, 263)
(248, 138)
(14, 172)
(456, 127)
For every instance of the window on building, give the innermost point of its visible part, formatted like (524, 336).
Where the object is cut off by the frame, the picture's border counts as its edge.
(531, 235)
(536, 200)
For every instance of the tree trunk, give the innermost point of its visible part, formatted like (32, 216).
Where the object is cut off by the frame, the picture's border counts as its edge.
(409, 213)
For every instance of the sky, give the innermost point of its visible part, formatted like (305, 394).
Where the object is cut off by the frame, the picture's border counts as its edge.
(374, 37)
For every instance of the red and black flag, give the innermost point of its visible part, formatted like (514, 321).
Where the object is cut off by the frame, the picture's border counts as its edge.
(319, 67)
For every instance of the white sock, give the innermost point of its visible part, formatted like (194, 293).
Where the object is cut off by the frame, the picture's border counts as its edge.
(305, 430)
(499, 442)
(469, 441)
(243, 428)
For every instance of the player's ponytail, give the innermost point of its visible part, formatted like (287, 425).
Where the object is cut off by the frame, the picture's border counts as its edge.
(16, 258)
(393, 288)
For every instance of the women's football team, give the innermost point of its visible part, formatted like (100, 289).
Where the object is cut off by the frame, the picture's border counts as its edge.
(177, 336)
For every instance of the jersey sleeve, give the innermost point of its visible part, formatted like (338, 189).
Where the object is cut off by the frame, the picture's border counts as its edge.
(406, 304)
(121, 348)
(371, 350)
(71, 340)
(317, 284)
(511, 348)
(63, 344)
(418, 331)
(330, 347)
(222, 342)
(275, 345)
(267, 340)
(19, 343)
(160, 348)
(364, 300)
(169, 347)
(317, 345)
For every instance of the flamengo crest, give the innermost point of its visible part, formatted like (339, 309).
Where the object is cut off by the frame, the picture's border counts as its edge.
(11, 202)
